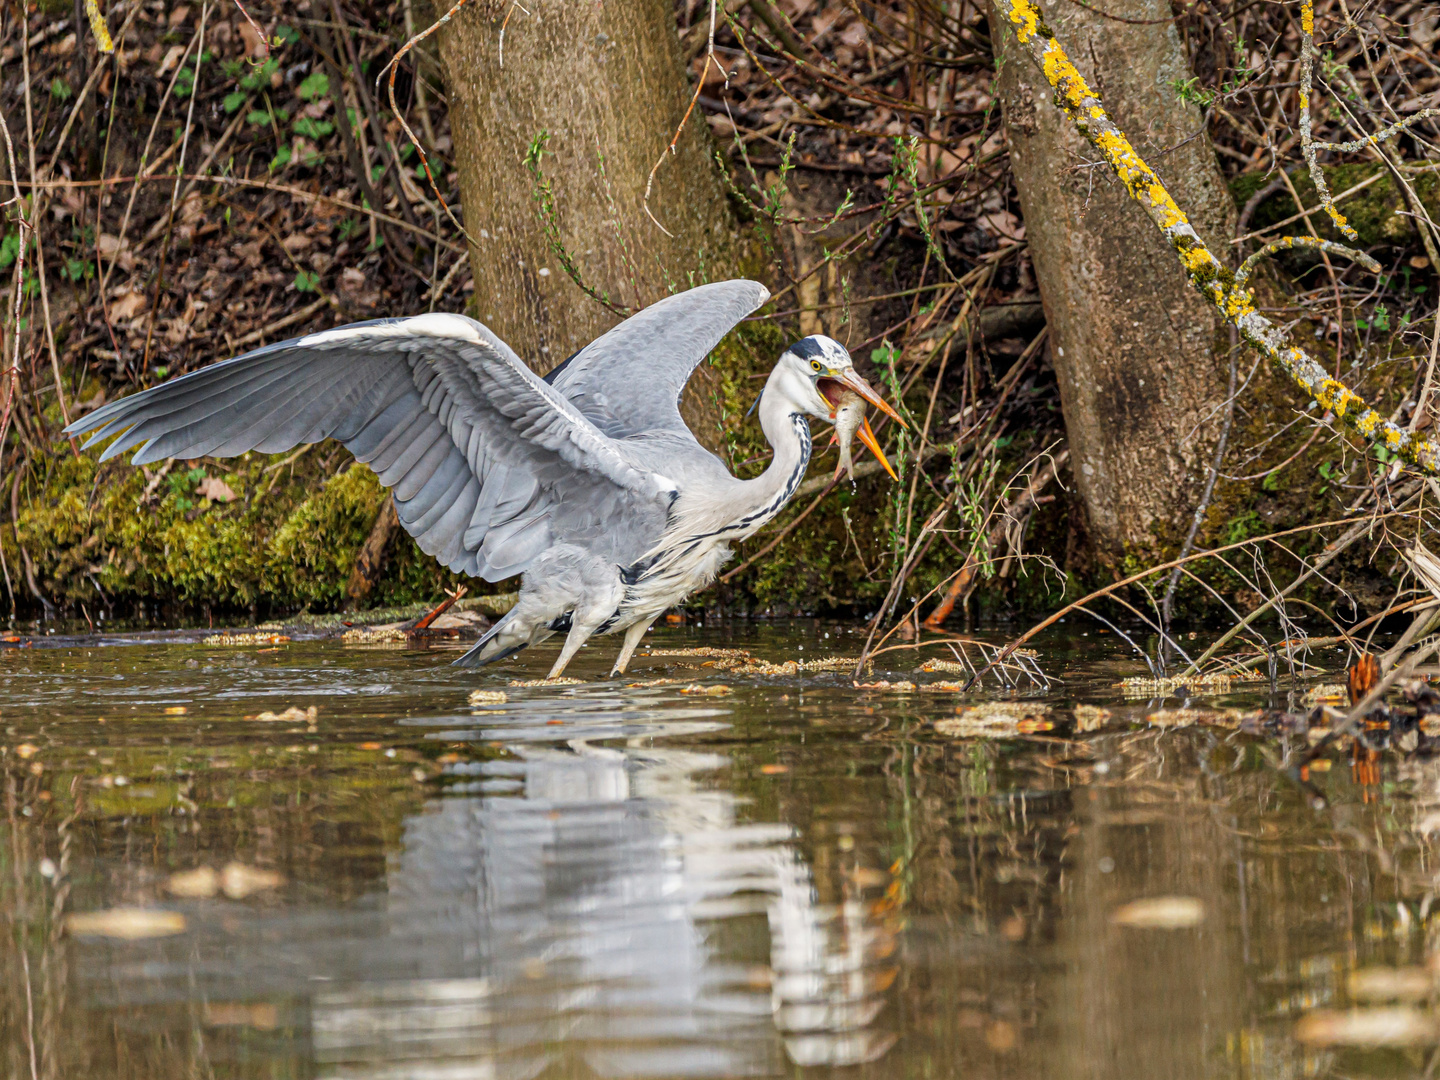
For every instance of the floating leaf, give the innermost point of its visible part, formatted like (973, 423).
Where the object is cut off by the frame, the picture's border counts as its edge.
(129, 924)
(1391, 983)
(238, 881)
(200, 883)
(1160, 913)
(1393, 1027)
(292, 715)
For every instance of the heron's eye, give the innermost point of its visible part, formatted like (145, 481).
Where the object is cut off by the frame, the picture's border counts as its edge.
(815, 365)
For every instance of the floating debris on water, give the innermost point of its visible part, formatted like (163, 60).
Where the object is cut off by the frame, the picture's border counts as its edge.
(944, 687)
(792, 667)
(1090, 718)
(126, 923)
(1177, 718)
(643, 683)
(1397, 1026)
(714, 653)
(236, 881)
(1140, 686)
(954, 667)
(261, 1015)
(546, 682)
(1327, 694)
(1391, 983)
(374, 635)
(902, 686)
(199, 883)
(246, 639)
(1160, 913)
(488, 697)
(292, 715)
(992, 718)
(715, 690)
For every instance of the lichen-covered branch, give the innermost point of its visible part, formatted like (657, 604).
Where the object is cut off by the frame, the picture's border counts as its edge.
(1307, 139)
(1208, 274)
(1288, 243)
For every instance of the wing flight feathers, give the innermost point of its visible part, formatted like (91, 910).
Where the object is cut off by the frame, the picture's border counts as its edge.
(439, 406)
(629, 380)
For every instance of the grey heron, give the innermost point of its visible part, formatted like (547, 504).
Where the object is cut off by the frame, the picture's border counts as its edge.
(586, 482)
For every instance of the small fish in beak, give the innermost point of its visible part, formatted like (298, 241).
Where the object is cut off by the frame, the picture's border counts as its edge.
(850, 420)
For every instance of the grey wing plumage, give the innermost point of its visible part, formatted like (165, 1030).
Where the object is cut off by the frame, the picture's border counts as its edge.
(488, 464)
(628, 381)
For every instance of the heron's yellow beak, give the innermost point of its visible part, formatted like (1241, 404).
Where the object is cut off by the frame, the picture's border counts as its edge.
(868, 438)
(851, 378)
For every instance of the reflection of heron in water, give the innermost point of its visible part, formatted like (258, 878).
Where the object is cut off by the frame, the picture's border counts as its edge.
(602, 899)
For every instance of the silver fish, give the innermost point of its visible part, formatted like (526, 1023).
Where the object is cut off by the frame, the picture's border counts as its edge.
(850, 420)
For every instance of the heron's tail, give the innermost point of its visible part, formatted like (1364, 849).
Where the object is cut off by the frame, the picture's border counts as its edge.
(500, 641)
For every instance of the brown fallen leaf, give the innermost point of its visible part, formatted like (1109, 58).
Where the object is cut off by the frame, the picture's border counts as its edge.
(1160, 913)
(132, 303)
(128, 924)
(216, 490)
(1392, 1027)
(717, 690)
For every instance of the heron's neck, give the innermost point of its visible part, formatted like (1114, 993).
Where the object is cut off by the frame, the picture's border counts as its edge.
(788, 432)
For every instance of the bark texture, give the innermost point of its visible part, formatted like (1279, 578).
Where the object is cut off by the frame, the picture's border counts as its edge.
(1132, 342)
(605, 81)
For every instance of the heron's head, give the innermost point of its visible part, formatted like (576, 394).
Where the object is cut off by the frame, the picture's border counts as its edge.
(817, 370)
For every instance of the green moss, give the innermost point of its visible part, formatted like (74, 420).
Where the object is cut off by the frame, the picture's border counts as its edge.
(1378, 213)
(287, 540)
(313, 551)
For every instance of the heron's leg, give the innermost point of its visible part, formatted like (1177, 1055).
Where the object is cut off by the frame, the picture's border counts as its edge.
(579, 634)
(632, 638)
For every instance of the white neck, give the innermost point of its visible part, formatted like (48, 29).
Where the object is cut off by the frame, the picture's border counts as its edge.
(787, 430)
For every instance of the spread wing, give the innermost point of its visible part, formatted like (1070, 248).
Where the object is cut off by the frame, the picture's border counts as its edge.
(489, 465)
(629, 380)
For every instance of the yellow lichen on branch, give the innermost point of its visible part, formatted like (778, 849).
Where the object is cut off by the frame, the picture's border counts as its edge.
(1229, 295)
(98, 27)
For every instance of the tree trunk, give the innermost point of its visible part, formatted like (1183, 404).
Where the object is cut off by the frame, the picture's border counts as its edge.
(606, 83)
(1132, 343)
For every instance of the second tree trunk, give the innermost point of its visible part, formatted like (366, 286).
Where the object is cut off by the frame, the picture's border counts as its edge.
(1133, 344)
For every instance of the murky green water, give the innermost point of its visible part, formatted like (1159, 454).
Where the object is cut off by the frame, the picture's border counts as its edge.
(794, 878)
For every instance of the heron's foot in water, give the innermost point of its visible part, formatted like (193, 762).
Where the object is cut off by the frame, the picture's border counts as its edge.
(632, 639)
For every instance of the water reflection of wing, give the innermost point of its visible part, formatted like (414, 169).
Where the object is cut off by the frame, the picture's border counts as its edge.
(609, 909)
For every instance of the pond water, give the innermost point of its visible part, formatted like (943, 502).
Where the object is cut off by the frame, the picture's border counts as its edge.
(796, 877)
